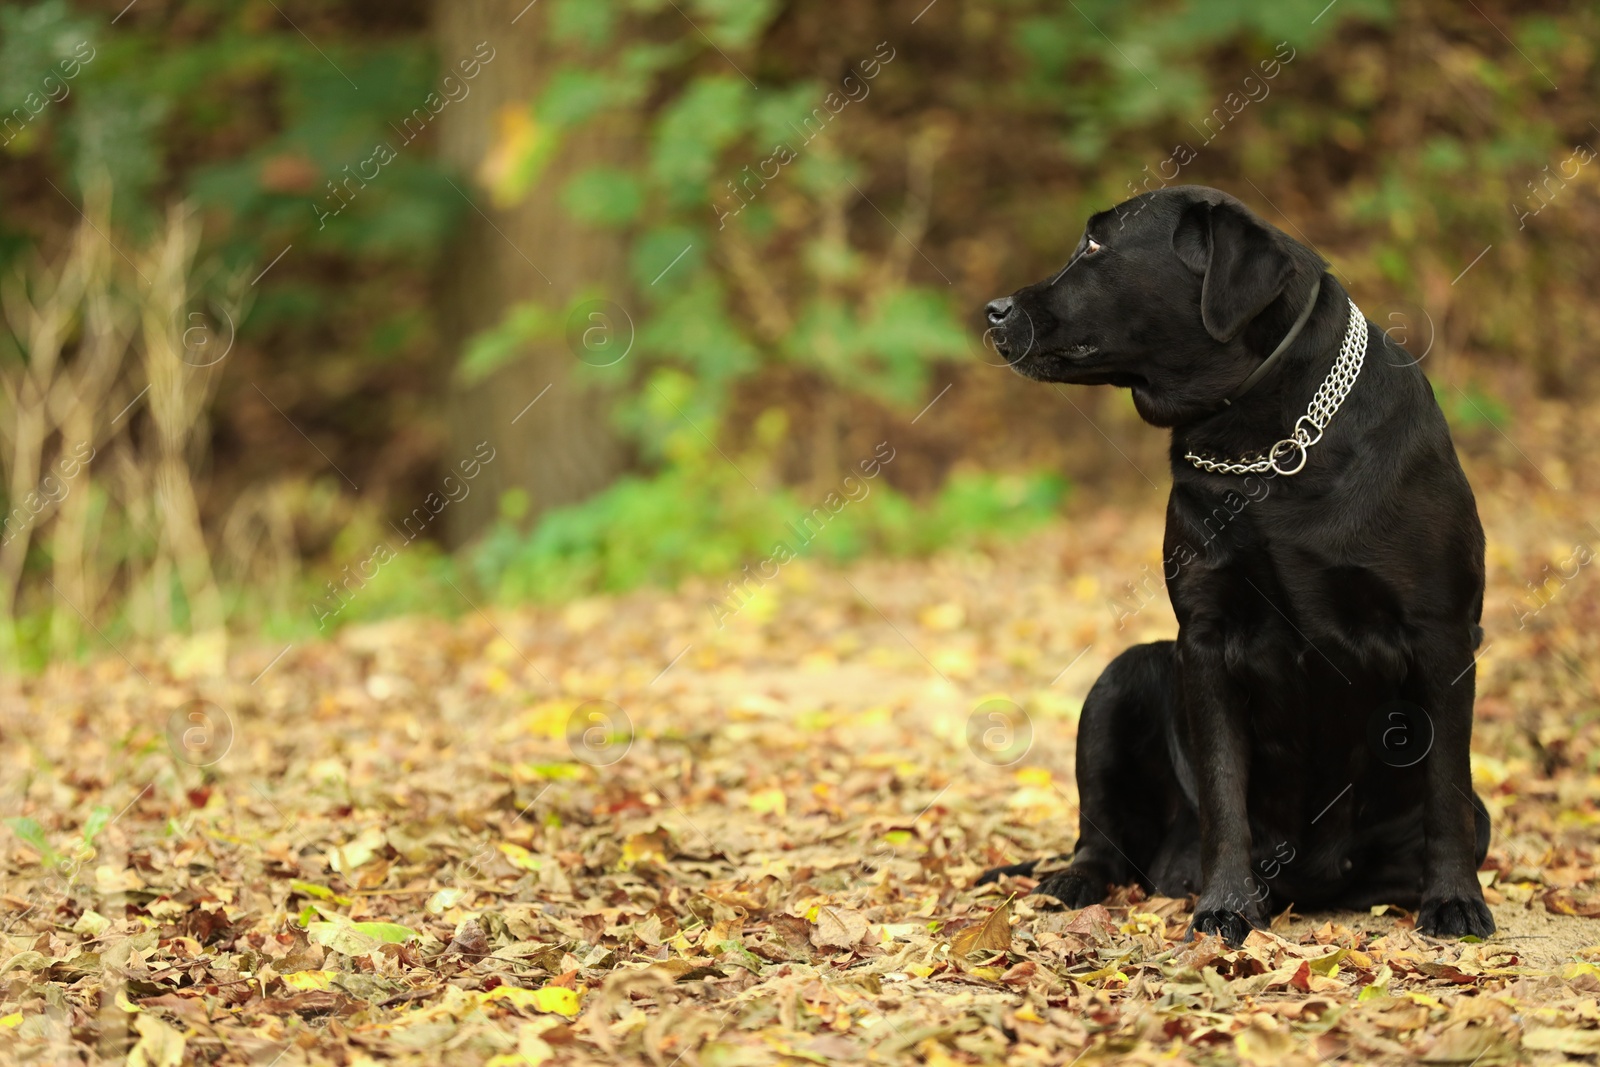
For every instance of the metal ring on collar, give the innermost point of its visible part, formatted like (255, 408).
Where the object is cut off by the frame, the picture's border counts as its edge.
(1283, 449)
(1313, 424)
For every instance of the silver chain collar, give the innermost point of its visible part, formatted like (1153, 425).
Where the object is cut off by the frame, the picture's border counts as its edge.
(1308, 427)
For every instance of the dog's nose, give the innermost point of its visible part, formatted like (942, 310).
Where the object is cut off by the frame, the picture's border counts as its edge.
(999, 310)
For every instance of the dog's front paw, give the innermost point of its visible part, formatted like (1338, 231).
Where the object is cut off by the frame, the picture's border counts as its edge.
(1232, 926)
(1073, 887)
(1455, 916)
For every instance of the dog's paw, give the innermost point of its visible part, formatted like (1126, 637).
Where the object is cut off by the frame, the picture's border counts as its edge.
(1074, 888)
(1456, 916)
(1232, 926)
(993, 874)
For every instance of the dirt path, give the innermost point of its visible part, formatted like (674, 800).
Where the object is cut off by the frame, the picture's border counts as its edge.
(617, 832)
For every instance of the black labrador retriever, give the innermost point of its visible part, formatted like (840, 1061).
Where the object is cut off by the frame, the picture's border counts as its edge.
(1305, 739)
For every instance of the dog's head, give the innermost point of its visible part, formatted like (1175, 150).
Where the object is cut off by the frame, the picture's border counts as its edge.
(1164, 294)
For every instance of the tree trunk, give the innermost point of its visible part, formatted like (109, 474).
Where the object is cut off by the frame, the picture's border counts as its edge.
(563, 448)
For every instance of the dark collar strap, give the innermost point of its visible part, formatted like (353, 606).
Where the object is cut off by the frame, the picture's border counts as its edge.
(1283, 345)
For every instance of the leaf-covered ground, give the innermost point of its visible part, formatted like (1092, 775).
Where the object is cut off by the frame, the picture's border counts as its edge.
(614, 832)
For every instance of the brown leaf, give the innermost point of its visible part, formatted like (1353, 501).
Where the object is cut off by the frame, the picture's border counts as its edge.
(793, 934)
(1447, 971)
(651, 847)
(1564, 902)
(1469, 1044)
(469, 940)
(838, 927)
(1094, 921)
(1021, 974)
(991, 935)
(1574, 1042)
(312, 1002)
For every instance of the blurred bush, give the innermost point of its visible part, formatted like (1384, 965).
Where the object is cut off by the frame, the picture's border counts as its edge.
(816, 199)
(708, 514)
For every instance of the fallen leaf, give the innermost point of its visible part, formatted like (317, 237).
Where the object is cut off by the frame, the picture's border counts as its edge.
(639, 847)
(552, 998)
(1562, 1039)
(302, 981)
(159, 1045)
(469, 940)
(836, 927)
(520, 857)
(991, 935)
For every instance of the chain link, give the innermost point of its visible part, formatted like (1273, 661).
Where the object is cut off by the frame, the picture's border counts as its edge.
(1308, 427)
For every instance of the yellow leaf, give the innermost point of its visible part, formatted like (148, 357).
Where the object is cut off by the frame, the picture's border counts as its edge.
(769, 801)
(651, 846)
(12, 1021)
(933, 1054)
(1329, 964)
(1142, 922)
(1038, 777)
(1261, 1045)
(942, 618)
(956, 662)
(517, 156)
(444, 900)
(548, 719)
(496, 680)
(552, 998)
(1561, 1039)
(991, 935)
(519, 856)
(1578, 970)
(359, 851)
(306, 981)
(159, 1044)
(1108, 974)
(520, 1059)
(1379, 986)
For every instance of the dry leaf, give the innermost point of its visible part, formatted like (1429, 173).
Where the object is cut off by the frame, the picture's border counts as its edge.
(991, 935)
(469, 940)
(836, 927)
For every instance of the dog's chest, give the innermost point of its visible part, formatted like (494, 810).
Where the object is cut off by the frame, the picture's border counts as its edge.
(1297, 599)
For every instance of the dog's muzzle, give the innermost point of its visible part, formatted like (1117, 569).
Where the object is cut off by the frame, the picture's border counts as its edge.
(1009, 329)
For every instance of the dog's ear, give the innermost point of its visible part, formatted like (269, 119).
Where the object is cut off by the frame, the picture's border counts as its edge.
(1244, 264)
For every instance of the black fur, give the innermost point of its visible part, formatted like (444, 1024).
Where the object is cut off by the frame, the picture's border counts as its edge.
(1261, 759)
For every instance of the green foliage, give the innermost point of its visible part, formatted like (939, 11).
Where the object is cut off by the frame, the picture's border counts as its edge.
(694, 326)
(30, 833)
(743, 261)
(604, 196)
(691, 134)
(885, 353)
(524, 323)
(711, 515)
(1471, 407)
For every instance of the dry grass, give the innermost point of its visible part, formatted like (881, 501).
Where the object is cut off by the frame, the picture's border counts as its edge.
(107, 363)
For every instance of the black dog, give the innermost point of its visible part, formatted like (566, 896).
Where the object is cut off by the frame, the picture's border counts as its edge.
(1305, 739)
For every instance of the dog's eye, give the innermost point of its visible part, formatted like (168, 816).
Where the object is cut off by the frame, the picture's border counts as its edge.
(1091, 247)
